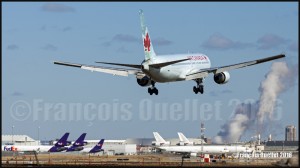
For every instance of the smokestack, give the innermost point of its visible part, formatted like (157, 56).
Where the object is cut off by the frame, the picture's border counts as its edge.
(270, 138)
(258, 139)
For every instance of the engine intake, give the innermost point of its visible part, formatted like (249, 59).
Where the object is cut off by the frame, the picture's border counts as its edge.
(144, 81)
(222, 78)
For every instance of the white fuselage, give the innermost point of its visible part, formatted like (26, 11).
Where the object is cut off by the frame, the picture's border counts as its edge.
(207, 149)
(178, 71)
(23, 148)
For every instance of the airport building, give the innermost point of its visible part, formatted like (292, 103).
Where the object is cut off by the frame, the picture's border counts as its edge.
(18, 140)
(282, 146)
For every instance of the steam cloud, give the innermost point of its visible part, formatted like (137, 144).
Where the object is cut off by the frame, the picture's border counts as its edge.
(246, 116)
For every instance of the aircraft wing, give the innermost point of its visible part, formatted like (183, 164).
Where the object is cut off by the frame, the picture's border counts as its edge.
(204, 72)
(109, 70)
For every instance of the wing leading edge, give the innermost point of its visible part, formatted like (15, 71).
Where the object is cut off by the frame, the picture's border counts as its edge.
(109, 70)
(204, 72)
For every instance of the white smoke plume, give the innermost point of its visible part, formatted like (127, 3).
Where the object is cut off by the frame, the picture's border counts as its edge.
(277, 80)
(270, 88)
(243, 119)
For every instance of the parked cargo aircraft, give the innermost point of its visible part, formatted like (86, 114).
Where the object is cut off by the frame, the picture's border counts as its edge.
(184, 140)
(169, 68)
(59, 146)
(95, 149)
(78, 144)
(159, 141)
(194, 150)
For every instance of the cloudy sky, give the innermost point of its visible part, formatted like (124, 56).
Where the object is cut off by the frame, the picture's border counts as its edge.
(37, 93)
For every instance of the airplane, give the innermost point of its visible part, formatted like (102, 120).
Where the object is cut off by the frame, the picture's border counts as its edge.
(169, 68)
(78, 144)
(194, 150)
(95, 149)
(184, 140)
(57, 147)
(159, 140)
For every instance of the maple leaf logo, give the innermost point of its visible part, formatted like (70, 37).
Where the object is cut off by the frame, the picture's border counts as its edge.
(147, 43)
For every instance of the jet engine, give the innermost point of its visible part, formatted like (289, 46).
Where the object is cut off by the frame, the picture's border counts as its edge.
(79, 148)
(222, 78)
(156, 144)
(144, 81)
(193, 154)
(180, 144)
(81, 143)
(97, 150)
(57, 149)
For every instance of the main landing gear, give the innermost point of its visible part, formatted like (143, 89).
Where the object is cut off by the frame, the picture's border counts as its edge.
(152, 89)
(199, 87)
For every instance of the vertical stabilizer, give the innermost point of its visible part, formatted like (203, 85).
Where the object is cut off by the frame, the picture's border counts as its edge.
(98, 147)
(63, 140)
(148, 48)
(183, 138)
(80, 140)
(158, 138)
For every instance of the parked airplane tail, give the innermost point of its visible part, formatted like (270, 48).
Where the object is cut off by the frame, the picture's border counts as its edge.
(80, 140)
(182, 137)
(63, 140)
(98, 147)
(158, 138)
(148, 47)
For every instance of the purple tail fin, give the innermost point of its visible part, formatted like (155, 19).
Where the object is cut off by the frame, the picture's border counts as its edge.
(63, 140)
(98, 147)
(80, 140)
(78, 144)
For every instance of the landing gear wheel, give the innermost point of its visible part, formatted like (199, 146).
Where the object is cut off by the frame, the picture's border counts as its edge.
(195, 90)
(152, 90)
(155, 91)
(201, 90)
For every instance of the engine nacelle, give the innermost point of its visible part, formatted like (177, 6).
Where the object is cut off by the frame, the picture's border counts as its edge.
(59, 149)
(144, 81)
(180, 144)
(222, 78)
(193, 154)
(79, 148)
(80, 143)
(156, 144)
